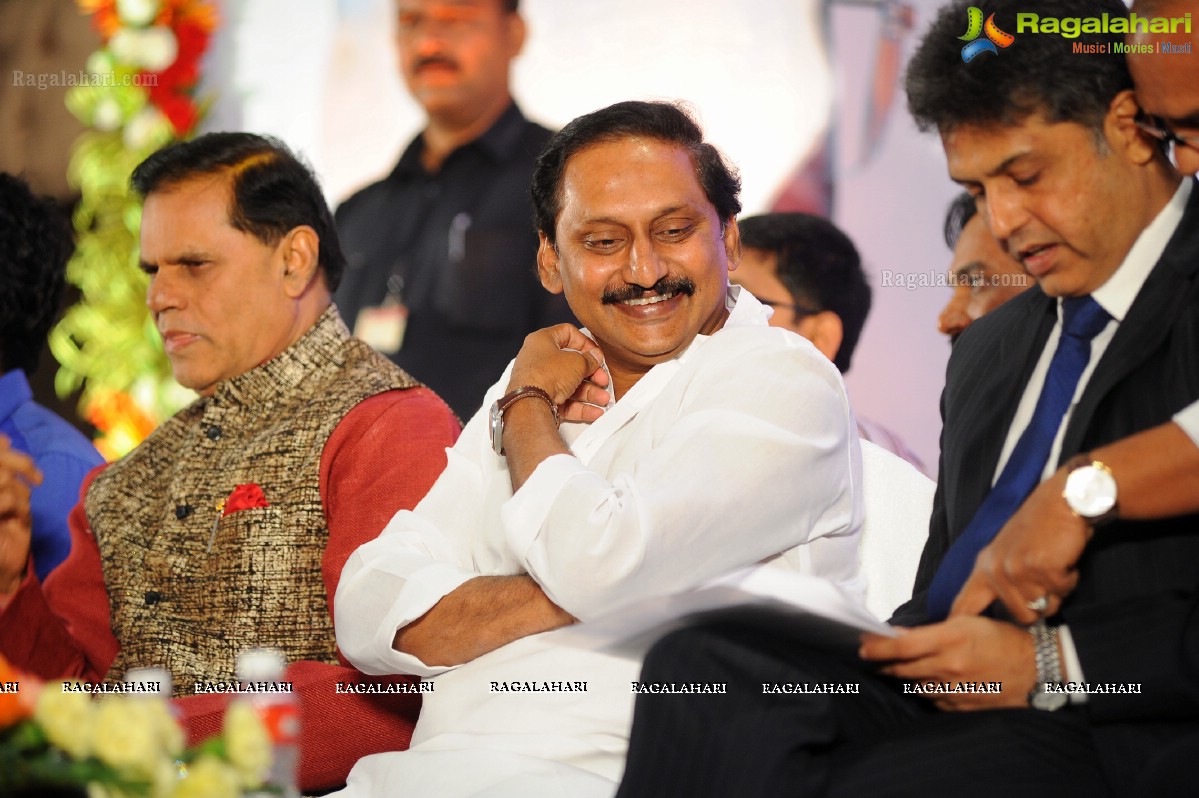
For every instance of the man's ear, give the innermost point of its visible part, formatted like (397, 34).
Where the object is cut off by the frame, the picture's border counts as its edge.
(732, 242)
(300, 250)
(824, 329)
(1120, 129)
(548, 265)
(516, 34)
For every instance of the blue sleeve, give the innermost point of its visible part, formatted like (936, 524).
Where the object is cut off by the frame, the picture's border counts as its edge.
(51, 504)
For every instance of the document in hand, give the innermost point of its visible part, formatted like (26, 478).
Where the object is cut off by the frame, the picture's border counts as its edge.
(809, 609)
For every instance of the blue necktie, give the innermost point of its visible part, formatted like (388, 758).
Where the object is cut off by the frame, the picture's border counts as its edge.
(1082, 319)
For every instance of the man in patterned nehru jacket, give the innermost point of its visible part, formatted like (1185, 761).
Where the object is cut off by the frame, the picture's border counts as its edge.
(228, 527)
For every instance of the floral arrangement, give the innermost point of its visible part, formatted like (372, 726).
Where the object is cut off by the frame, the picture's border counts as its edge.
(120, 746)
(138, 92)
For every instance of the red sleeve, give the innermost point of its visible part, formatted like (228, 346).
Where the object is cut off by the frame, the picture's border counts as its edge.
(63, 629)
(383, 457)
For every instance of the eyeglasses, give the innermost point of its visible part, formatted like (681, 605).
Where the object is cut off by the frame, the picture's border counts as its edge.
(799, 310)
(1167, 138)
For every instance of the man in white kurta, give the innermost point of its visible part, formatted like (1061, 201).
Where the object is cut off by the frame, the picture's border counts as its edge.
(695, 440)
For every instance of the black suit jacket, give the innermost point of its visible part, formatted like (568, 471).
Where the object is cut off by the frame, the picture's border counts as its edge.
(1134, 615)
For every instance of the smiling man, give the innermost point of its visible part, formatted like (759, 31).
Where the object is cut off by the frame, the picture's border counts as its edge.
(1073, 699)
(169, 567)
(637, 457)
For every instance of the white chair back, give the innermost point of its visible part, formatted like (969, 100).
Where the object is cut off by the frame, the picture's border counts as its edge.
(898, 502)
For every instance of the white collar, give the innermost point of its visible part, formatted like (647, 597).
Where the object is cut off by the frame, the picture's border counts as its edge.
(745, 309)
(1117, 294)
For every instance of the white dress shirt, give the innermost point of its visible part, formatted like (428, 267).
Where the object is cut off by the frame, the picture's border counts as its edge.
(1188, 419)
(740, 450)
(1116, 297)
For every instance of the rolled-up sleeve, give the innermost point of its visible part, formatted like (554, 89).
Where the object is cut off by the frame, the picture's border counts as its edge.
(417, 560)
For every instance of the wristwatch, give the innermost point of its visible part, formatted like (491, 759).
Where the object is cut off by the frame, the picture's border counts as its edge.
(496, 415)
(1049, 668)
(1090, 490)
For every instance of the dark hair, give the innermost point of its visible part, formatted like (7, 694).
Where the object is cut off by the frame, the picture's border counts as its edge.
(511, 6)
(959, 214)
(1038, 73)
(819, 266)
(657, 120)
(35, 244)
(273, 191)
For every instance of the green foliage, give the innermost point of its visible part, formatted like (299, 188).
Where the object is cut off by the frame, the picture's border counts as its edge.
(106, 344)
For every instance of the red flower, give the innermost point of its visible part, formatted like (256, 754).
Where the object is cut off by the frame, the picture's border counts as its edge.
(172, 88)
(244, 497)
(180, 111)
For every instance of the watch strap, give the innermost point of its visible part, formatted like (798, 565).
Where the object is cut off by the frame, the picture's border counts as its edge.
(1048, 660)
(507, 400)
(524, 392)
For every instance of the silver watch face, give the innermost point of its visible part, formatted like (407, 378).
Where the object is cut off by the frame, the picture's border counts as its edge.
(496, 425)
(1090, 491)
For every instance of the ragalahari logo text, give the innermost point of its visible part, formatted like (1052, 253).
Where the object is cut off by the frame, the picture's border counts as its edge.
(975, 27)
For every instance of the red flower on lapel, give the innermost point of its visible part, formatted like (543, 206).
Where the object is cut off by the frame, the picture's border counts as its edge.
(244, 497)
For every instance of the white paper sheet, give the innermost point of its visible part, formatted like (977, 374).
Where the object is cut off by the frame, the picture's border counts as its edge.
(806, 608)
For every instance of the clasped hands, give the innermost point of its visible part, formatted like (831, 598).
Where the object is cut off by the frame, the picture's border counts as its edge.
(17, 476)
(1035, 554)
(567, 365)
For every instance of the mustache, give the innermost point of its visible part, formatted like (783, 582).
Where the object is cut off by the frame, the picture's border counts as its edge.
(667, 285)
(435, 60)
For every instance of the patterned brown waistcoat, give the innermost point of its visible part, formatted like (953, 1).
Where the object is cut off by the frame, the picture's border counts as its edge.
(175, 603)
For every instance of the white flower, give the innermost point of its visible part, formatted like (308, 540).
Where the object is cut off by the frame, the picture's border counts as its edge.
(95, 790)
(107, 115)
(148, 130)
(208, 777)
(137, 12)
(126, 735)
(248, 744)
(67, 719)
(165, 778)
(99, 63)
(170, 734)
(153, 49)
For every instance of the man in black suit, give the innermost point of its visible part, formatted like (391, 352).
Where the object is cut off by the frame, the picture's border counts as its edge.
(1157, 470)
(1046, 138)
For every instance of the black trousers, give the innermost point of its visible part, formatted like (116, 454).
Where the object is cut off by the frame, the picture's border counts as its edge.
(877, 742)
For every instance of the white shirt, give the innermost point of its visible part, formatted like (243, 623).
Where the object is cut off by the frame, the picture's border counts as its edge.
(1188, 419)
(1116, 297)
(740, 450)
